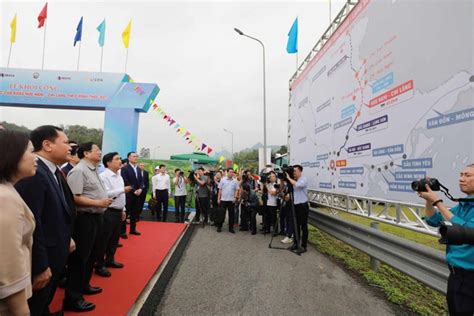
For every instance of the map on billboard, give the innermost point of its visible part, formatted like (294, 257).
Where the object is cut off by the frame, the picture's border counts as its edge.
(388, 99)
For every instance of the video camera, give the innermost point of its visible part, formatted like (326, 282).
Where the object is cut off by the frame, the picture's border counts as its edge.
(281, 174)
(191, 177)
(455, 234)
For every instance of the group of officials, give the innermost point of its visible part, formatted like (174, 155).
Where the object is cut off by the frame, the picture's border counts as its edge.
(69, 221)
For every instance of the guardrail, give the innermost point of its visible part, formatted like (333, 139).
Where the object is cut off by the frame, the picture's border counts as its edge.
(422, 263)
(377, 209)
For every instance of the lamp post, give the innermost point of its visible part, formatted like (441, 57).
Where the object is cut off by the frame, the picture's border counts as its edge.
(231, 134)
(264, 97)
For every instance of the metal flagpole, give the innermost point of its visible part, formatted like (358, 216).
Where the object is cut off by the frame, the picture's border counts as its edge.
(79, 55)
(101, 57)
(9, 55)
(330, 19)
(126, 60)
(44, 41)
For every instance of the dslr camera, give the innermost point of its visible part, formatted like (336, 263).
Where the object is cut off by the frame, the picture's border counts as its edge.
(285, 169)
(455, 234)
(420, 185)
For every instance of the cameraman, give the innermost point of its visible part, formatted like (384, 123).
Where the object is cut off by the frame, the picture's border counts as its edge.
(460, 294)
(300, 193)
(179, 182)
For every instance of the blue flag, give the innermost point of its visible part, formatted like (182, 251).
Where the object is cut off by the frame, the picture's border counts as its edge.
(78, 36)
(292, 46)
(101, 29)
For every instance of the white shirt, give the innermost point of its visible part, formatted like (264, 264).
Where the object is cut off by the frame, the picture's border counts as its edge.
(179, 186)
(115, 188)
(161, 182)
(272, 199)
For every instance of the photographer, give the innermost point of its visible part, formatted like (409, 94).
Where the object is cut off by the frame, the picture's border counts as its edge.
(180, 193)
(271, 209)
(215, 188)
(249, 209)
(202, 191)
(460, 294)
(300, 192)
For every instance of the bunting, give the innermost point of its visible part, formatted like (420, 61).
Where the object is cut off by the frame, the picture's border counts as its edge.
(190, 138)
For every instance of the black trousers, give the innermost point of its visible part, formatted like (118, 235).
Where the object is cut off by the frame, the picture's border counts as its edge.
(204, 207)
(270, 217)
(229, 206)
(301, 213)
(81, 262)
(460, 296)
(141, 202)
(244, 216)
(162, 204)
(180, 205)
(109, 236)
(253, 211)
(40, 300)
(132, 206)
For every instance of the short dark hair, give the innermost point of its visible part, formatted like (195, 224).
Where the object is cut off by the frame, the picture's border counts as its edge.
(161, 166)
(124, 161)
(73, 150)
(42, 133)
(108, 158)
(176, 170)
(229, 169)
(246, 187)
(81, 148)
(14, 145)
(132, 152)
(201, 168)
(300, 168)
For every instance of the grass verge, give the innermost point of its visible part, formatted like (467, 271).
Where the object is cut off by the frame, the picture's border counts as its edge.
(399, 288)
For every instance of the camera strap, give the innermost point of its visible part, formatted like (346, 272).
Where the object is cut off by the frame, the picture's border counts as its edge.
(449, 196)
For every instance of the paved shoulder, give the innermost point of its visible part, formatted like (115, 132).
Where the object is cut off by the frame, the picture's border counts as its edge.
(223, 273)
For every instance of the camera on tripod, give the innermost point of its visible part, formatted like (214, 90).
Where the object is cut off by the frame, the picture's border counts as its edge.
(420, 185)
(191, 177)
(281, 174)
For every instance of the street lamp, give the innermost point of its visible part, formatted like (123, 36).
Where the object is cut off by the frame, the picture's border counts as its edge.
(264, 97)
(231, 134)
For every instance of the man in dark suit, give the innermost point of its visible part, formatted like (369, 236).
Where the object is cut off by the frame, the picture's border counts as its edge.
(132, 176)
(146, 186)
(50, 199)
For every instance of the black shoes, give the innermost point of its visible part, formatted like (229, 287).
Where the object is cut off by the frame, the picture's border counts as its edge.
(103, 272)
(123, 236)
(231, 230)
(120, 245)
(78, 306)
(114, 264)
(219, 229)
(91, 290)
(135, 232)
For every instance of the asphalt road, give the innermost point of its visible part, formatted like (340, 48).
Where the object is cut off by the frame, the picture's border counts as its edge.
(237, 274)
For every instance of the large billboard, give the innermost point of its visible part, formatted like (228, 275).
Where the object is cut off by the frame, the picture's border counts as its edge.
(389, 99)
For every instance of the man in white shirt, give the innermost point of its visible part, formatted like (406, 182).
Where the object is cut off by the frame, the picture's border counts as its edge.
(180, 193)
(161, 192)
(228, 194)
(113, 216)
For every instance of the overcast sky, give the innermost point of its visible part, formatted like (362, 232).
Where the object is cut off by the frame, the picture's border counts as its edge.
(210, 77)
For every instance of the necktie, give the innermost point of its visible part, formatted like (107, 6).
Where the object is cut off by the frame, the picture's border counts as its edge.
(60, 178)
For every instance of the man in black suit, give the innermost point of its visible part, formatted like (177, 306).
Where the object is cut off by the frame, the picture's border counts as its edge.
(50, 199)
(132, 176)
(146, 186)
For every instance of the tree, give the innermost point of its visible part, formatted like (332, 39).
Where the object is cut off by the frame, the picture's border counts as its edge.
(14, 127)
(145, 152)
(83, 134)
(247, 159)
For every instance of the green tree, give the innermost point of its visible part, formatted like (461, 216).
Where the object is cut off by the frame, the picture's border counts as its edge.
(83, 134)
(14, 127)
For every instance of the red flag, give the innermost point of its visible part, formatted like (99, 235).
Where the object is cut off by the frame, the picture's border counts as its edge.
(43, 15)
(209, 150)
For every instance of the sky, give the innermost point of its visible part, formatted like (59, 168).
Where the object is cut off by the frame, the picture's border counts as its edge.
(210, 77)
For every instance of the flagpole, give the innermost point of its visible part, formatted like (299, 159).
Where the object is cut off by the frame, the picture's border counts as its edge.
(9, 55)
(101, 57)
(44, 41)
(297, 63)
(126, 60)
(330, 19)
(79, 54)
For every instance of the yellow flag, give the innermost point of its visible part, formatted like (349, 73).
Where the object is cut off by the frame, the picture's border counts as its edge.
(13, 30)
(221, 158)
(126, 34)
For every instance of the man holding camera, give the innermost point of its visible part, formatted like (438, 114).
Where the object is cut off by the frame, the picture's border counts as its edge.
(179, 195)
(460, 258)
(300, 193)
(202, 192)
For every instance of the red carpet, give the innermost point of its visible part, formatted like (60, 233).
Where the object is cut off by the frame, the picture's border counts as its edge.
(142, 255)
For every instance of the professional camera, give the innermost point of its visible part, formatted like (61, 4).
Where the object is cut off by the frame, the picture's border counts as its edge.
(181, 173)
(285, 169)
(455, 234)
(191, 177)
(420, 185)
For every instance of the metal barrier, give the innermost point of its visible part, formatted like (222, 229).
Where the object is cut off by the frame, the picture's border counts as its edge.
(422, 263)
(376, 209)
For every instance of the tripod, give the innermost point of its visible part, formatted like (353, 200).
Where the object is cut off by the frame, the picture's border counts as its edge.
(297, 240)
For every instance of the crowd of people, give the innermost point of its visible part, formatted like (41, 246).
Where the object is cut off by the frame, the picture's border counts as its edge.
(65, 207)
